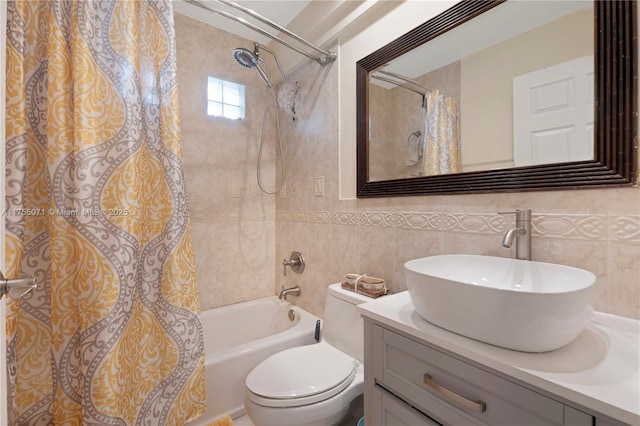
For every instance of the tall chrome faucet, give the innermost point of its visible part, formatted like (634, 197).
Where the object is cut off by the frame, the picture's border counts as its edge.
(522, 234)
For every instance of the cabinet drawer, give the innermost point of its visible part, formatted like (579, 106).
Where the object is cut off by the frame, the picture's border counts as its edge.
(392, 411)
(402, 364)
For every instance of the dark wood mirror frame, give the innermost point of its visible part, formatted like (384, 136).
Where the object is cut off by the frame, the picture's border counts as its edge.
(616, 119)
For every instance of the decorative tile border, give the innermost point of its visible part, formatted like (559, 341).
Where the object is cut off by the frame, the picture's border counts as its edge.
(319, 217)
(411, 220)
(386, 220)
(625, 229)
(477, 223)
(565, 226)
(573, 227)
(343, 218)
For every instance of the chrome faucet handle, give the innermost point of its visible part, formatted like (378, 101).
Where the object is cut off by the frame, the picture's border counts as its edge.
(296, 262)
(520, 214)
(288, 262)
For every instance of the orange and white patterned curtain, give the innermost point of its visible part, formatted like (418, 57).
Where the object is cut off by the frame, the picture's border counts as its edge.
(442, 135)
(97, 212)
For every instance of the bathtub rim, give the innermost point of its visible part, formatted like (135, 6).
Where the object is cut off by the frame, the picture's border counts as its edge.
(306, 324)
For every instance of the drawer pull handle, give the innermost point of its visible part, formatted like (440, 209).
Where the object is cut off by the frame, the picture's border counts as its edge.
(476, 406)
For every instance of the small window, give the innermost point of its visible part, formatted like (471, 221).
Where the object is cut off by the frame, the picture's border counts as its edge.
(225, 99)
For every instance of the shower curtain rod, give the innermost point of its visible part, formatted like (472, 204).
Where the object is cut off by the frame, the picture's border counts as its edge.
(403, 78)
(406, 86)
(327, 55)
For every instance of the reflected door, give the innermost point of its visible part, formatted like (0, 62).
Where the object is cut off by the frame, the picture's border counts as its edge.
(553, 114)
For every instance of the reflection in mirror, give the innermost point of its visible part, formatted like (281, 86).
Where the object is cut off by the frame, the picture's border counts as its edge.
(513, 87)
(460, 57)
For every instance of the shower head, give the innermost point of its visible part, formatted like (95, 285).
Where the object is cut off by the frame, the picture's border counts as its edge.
(249, 60)
(245, 58)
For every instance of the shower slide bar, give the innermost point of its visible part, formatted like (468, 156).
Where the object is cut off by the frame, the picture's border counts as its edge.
(327, 55)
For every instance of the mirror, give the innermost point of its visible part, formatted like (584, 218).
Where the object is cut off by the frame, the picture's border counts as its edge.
(501, 96)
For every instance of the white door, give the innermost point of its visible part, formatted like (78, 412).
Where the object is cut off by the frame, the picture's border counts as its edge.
(553, 114)
(3, 349)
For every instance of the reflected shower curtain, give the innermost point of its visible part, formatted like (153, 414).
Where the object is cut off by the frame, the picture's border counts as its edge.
(97, 212)
(442, 135)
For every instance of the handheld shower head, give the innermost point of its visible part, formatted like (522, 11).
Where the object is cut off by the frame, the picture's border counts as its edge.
(245, 58)
(249, 60)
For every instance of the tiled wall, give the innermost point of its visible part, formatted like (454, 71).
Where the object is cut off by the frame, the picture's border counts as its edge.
(598, 230)
(233, 221)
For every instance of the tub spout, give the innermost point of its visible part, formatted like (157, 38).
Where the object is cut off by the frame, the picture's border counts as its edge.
(294, 291)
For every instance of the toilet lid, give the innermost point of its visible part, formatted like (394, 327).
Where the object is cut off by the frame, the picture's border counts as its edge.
(301, 372)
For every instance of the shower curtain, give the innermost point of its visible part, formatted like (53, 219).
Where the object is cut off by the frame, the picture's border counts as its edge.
(97, 212)
(442, 135)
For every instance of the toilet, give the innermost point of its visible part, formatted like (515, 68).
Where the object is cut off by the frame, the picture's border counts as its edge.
(317, 384)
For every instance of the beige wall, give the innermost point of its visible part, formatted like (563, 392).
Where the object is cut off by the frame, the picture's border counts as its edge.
(486, 108)
(233, 222)
(596, 229)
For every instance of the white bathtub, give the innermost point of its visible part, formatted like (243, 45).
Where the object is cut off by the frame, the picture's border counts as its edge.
(237, 338)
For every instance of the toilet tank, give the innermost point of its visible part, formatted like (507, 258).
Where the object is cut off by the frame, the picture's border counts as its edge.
(343, 326)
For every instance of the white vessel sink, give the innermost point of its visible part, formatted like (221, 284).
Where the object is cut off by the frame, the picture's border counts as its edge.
(517, 304)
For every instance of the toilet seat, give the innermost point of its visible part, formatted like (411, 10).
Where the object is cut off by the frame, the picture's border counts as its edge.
(300, 376)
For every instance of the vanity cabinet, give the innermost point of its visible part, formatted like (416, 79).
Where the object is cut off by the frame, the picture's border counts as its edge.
(409, 382)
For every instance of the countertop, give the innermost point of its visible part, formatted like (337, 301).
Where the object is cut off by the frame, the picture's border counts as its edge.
(598, 370)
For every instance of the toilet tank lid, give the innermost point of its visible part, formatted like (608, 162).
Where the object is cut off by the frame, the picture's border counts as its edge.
(346, 295)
